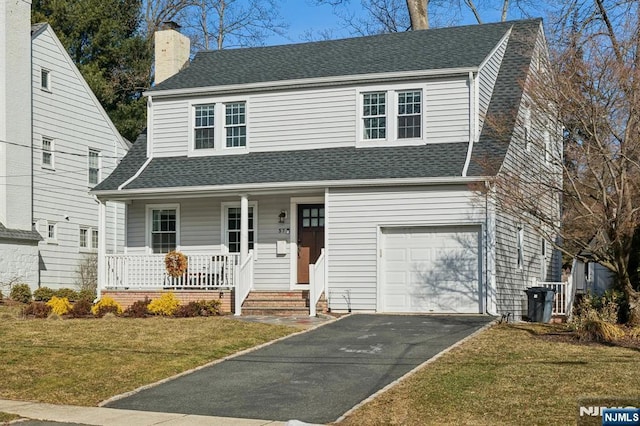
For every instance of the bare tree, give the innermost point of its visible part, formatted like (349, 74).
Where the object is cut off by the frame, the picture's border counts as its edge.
(158, 11)
(595, 92)
(217, 24)
(418, 12)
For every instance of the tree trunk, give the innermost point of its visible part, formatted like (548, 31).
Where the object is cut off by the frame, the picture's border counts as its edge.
(418, 14)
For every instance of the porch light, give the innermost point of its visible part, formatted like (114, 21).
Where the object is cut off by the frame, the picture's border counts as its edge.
(282, 216)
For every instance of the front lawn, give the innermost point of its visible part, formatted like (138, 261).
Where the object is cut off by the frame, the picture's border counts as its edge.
(84, 361)
(508, 375)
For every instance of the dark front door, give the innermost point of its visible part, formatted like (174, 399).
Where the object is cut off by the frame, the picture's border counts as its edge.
(310, 238)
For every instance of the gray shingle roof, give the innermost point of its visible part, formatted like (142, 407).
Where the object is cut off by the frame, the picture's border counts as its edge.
(455, 47)
(19, 235)
(471, 44)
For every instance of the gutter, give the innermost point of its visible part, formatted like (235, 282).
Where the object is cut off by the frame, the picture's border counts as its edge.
(312, 82)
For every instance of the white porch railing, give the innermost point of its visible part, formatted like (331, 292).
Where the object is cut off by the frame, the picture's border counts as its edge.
(317, 283)
(148, 272)
(563, 301)
(245, 282)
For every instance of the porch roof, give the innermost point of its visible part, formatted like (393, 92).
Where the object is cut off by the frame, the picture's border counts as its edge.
(316, 165)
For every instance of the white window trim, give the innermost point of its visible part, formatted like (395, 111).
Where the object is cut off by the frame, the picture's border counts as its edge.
(149, 208)
(90, 247)
(224, 236)
(220, 136)
(47, 87)
(89, 151)
(52, 151)
(391, 116)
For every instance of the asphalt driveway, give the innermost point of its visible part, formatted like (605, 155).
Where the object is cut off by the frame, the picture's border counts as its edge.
(313, 377)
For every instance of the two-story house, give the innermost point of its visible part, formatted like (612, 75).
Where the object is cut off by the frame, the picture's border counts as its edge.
(349, 168)
(57, 143)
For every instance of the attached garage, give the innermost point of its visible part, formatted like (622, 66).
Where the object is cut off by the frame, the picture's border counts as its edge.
(431, 269)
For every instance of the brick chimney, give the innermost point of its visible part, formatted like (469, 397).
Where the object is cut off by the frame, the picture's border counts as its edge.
(171, 51)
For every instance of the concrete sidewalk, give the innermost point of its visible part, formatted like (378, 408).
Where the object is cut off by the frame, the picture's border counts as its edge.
(118, 417)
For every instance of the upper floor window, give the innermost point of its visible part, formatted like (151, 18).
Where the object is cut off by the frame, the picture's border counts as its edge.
(374, 118)
(94, 166)
(391, 115)
(204, 134)
(527, 128)
(409, 114)
(235, 123)
(47, 153)
(45, 79)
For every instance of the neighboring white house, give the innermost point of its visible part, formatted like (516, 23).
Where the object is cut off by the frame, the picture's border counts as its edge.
(56, 144)
(347, 167)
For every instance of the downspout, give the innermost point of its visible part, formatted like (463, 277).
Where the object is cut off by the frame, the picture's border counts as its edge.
(472, 123)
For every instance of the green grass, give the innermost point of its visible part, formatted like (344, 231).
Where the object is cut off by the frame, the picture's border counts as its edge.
(507, 375)
(6, 417)
(85, 361)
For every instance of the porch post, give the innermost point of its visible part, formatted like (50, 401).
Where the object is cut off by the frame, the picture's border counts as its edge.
(244, 228)
(102, 247)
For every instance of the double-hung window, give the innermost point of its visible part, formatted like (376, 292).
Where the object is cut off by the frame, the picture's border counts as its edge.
(47, 159)
(374, 115)
(45, 80)
(233, 229)
(164, 230)
(204, 129)
(235, 124)
(88, 238)
(94, 166)
(409, 114)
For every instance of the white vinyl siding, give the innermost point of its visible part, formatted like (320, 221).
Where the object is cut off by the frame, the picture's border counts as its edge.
(171, 126)
(354, 218)
(72, 117)
(447, 110)
(487, 80)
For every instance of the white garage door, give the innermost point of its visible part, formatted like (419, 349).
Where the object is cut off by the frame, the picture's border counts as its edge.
(431, 269)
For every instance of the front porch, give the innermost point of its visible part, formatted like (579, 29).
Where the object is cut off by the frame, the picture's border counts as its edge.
(131, 277)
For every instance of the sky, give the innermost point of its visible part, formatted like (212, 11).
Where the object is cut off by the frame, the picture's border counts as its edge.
(304, 16)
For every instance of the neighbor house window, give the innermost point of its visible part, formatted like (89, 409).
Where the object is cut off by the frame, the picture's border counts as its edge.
(409, 114)
(163, 230)
(47, 153)
(204, 133)
(94, 167)
(45, 79)
(94, 238)
(527, 128)
(543, 259)
(84, 238)
(374, 118)
(520, 248)
(52, 231)
(547, 146)
(235, 124)
(233, 229)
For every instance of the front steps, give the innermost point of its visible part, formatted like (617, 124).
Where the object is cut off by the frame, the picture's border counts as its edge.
(280, 303)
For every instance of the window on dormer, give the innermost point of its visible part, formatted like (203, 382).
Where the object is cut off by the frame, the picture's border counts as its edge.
(235, 124)
(204, 126)
(374, 115)
(409, 114)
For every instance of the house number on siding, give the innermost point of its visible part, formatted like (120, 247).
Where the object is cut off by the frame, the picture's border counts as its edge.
(283, 230)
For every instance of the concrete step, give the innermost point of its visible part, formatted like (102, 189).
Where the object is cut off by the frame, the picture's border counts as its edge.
(276, 311)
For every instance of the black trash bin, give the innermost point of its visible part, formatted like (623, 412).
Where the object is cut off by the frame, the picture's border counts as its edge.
(540, 303)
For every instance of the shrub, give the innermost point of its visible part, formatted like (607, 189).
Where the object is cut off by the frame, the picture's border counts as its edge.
(68, 293)
(21, 293)
(37, 309)
(81, 309)
(87, 294)
(106, 305)
(43, 294)
(165, 305)
(202, 308)
(59, 305)
(138, 309)
(599, 331)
